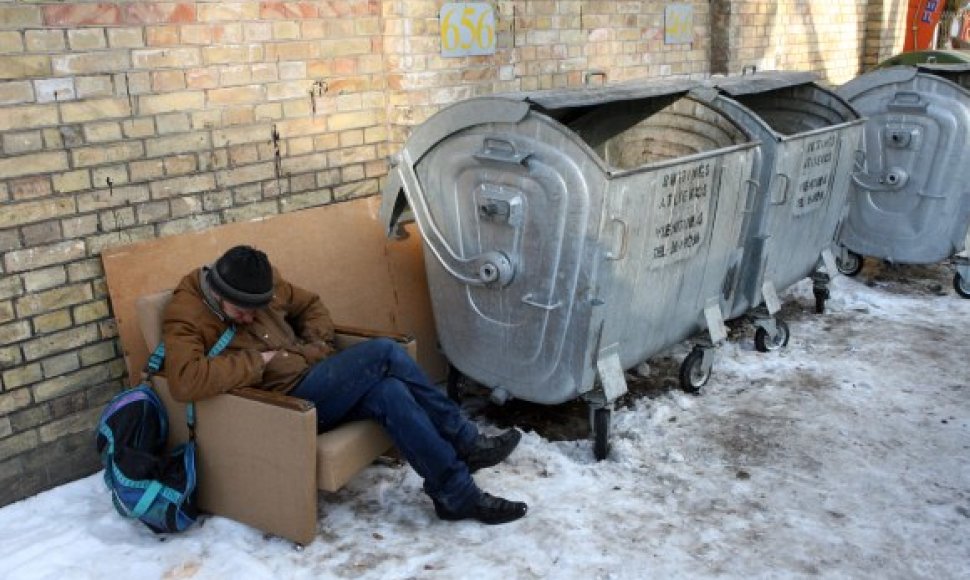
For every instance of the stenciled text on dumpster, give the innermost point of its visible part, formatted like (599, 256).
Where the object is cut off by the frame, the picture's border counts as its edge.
(682, 208)
(817, 168)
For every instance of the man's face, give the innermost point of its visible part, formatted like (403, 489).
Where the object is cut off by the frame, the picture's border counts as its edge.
(238, 314)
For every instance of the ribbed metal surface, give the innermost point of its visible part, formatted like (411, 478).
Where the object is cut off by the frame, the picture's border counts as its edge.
(910, 203)
(616, 212)
(808, 138)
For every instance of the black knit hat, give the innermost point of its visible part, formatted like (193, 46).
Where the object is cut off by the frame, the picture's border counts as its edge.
(243, 276)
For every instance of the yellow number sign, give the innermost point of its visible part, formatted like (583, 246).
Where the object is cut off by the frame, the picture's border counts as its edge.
(467, 29)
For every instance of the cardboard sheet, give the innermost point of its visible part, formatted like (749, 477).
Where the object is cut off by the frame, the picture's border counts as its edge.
(338, 251)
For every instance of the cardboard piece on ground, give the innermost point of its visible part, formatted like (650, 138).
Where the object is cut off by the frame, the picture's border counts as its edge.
(338, 251)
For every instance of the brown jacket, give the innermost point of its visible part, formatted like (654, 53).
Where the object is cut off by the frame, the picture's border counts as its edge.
(295, 324)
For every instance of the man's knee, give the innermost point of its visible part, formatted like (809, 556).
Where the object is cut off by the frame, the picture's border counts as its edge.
(389, 395)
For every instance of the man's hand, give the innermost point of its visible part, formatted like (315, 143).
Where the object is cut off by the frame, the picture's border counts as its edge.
(268, 355)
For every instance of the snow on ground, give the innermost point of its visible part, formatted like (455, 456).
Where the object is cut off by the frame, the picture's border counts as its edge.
(844, 455)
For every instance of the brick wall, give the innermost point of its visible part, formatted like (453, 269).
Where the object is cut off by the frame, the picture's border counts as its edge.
(122, 121)
(831, 38)
(542, 44)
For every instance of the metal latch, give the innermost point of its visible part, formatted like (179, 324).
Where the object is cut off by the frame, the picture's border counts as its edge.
(499, 205)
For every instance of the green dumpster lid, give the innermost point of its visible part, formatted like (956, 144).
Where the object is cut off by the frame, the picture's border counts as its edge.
(920, 57)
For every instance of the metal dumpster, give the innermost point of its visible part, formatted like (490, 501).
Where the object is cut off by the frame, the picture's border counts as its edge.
(910, 204)
(572, 234)
(809, 137)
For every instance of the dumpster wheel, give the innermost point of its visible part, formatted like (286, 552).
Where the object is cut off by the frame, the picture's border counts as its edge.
(601, 432)
(764, 343)
(961, 286)
(851, 265)
(693, 377)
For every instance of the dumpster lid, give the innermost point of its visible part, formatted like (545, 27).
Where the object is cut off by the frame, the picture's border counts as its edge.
(556, 99)
(762, 82)
(936, 67)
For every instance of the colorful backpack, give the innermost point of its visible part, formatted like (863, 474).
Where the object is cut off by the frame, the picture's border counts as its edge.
(146, 483)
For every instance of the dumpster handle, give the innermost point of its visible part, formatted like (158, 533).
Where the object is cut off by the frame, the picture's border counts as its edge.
(750, 200)
(492, 268)
(501, 150)
(908, 102)
(624, 241)
(784, 192)
(528, 299)
(753, 68)
(594, 73)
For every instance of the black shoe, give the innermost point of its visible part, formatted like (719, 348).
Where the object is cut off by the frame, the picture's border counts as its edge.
(488, 510)
(489, 451)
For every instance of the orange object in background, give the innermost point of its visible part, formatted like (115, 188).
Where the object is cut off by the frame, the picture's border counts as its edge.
(922, 18)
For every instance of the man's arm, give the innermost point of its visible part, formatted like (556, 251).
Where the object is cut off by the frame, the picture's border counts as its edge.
(305, 312)
(191, 374)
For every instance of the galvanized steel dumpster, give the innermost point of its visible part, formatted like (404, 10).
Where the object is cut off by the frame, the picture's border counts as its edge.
(910, 204)
(570, 235)
(809, 138)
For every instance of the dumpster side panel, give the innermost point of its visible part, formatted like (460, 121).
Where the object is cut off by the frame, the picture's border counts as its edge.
(684, 223)
(910, 204)
(530, 191)
(809, 138)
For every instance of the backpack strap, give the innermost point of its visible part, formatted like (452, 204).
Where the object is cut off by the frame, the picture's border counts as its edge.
(218, 347)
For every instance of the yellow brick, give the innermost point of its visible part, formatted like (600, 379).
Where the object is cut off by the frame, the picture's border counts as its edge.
(284, 51)
(87, 156)
(166, 58)
(179, 101)
(146, 170)
(45, 40)
(233, 54)
(41, 256)
(34, 211)
(341, 121)
(246, 94)
(112, 198)
(125, 38)
(14, 93)
(102, 61)
(228, 11)
(53, 321)
(288, 90)
(101, 132)
(31, 164)
(134, 128)
(11, 42)
(181, 143)
(268, 112)
(286, 30)
(227, 137)
(181, 164)
(265, 72)
(90, 312)
(183, 185)
(86, 38)
(75, 423)
(247, 174)
(20, 16)
(71, 181)
(19, 67)
(196, 34)
(100, 86)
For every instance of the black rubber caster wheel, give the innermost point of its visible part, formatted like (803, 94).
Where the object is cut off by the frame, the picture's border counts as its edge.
(763, 342)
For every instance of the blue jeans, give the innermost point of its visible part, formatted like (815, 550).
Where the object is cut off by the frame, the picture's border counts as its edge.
(378, 380)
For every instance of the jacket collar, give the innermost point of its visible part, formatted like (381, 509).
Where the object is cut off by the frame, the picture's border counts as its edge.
(208, 296)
